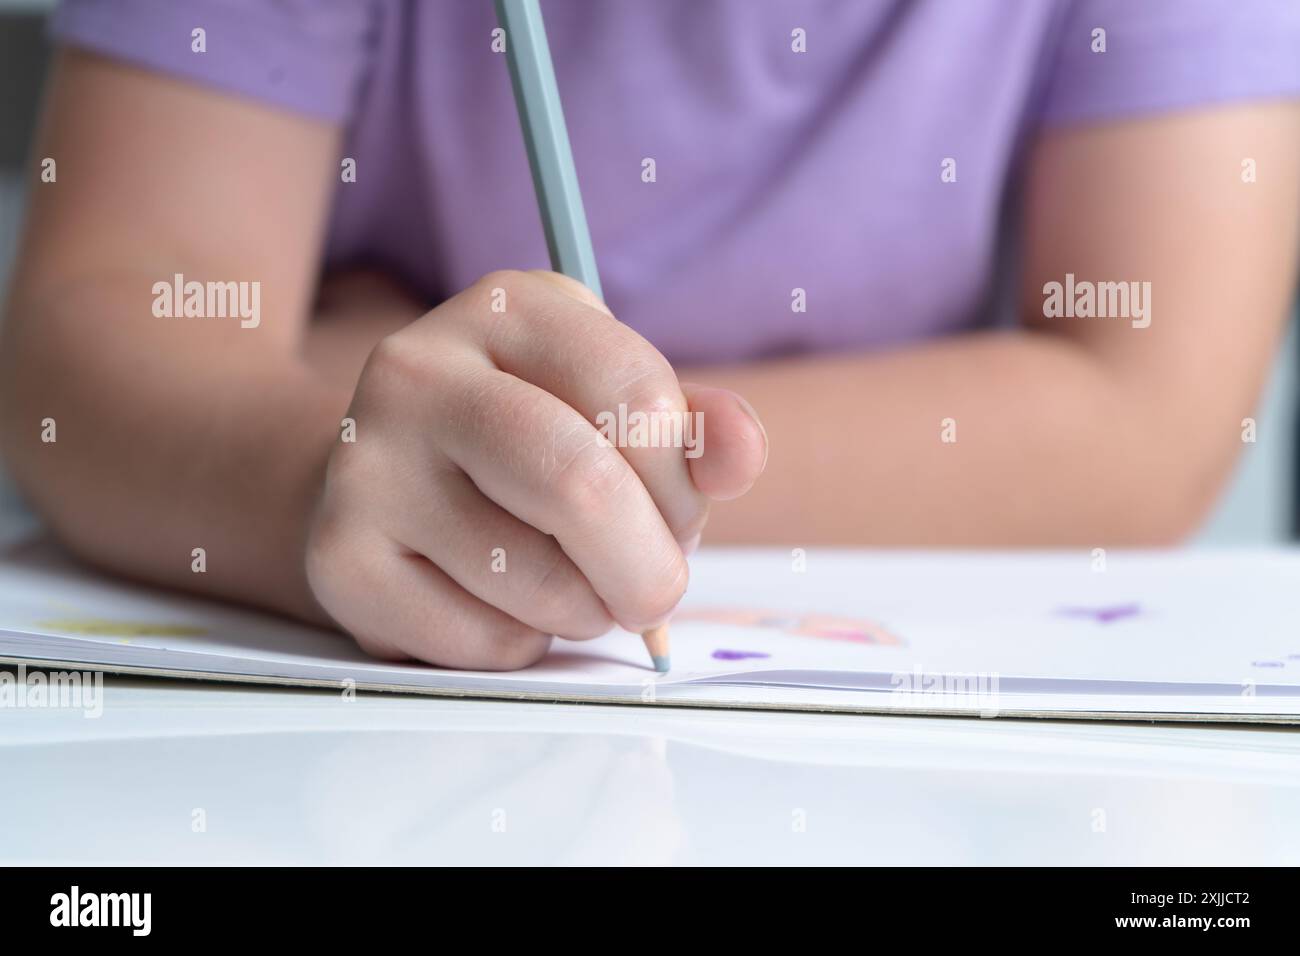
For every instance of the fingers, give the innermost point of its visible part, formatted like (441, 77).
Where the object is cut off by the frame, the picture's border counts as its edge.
(501, 560)
(544, 463)
(557, 335)
(487, 508)
(736, 453)
(397, 604)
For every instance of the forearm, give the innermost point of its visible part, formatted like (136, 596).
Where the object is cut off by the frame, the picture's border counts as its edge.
(1051, 449)
(192, 433)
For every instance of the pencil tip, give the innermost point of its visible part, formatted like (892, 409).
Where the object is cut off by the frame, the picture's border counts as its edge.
(661, 662)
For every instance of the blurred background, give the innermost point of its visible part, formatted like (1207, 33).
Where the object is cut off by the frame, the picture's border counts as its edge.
(1260, 506)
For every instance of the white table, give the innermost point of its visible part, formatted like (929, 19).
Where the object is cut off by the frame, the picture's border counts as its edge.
(176, 772)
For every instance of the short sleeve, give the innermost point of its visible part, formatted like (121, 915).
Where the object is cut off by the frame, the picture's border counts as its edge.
(1166, 55)
(309, 56)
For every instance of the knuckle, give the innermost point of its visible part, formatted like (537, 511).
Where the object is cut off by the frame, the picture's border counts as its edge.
(513, 281)
(646, 392)
(641, 374)
(651, 389)
(588, 482)
(480, 403)
(395, 366)
(502, 278)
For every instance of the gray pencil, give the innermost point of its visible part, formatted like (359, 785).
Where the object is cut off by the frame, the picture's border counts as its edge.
(555, 179)
(547, 141)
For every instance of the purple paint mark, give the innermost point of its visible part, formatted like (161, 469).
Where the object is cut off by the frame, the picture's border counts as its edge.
(1102, 615)
(1266, 664)
(737, 655)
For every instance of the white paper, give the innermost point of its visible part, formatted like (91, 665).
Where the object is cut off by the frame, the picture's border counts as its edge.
(1187, 634)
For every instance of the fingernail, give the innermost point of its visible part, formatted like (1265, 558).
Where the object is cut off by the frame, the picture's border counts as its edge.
(689, 547)
(749, 409)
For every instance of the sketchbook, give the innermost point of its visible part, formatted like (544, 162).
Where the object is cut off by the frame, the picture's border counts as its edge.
(1180, 635)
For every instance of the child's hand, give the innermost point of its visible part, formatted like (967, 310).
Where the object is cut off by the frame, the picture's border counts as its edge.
(479, 511)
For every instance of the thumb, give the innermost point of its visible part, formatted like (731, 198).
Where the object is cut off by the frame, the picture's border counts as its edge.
(734, 450)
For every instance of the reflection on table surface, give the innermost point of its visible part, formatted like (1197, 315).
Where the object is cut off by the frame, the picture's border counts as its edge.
(179, 772)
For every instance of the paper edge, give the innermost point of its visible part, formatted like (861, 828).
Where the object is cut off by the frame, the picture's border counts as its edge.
(635, 700)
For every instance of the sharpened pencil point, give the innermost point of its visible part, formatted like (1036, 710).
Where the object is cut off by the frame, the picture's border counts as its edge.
(656, 642)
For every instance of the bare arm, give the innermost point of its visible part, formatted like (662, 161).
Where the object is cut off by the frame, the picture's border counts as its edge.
(1069, 430)
(216, 432)
(475, 439)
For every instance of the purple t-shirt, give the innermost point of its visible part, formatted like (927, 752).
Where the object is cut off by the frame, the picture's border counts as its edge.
(774, 169)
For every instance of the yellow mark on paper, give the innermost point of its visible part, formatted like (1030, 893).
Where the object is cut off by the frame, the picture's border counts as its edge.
(99, 625)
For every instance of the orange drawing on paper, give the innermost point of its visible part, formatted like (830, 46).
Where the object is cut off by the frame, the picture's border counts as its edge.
(827, 626)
